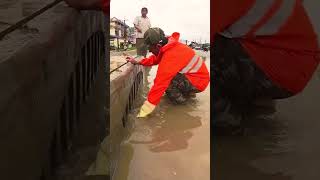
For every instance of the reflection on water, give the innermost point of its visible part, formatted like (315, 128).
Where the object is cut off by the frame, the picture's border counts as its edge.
(166, 135)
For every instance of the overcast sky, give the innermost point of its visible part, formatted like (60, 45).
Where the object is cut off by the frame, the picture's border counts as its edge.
(189, 17)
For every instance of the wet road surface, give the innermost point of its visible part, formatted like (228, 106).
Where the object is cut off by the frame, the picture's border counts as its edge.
(172, 144)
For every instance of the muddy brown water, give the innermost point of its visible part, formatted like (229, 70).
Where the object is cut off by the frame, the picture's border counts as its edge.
(281, 146)
(172, 144)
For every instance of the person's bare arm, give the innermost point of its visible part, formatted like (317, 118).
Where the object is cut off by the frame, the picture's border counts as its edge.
(137, 28)
(85, 4)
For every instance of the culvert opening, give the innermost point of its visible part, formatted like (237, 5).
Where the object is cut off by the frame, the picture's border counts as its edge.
(133, 96)
(81, 85)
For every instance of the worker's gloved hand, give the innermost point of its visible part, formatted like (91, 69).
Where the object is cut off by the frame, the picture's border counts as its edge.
(132, 60)
(146, 109)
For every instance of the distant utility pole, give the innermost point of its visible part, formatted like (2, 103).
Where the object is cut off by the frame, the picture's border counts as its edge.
(125, 31)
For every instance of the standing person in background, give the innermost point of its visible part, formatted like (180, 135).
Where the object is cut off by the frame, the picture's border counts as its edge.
(141, 24)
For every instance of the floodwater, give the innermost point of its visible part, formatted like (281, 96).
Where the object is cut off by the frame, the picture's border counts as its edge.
(279, 146)
(172, 144)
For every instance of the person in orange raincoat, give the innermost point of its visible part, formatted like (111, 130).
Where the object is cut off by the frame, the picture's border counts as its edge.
(262, 50)
(181, 73)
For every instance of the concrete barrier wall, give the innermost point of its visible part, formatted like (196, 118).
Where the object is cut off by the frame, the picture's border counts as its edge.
(123, 93)
(48, 79)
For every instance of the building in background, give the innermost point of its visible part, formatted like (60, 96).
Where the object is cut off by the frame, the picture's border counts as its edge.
(121, 35)
(132, 36)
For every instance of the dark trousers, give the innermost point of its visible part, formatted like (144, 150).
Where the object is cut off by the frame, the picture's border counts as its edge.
(180, 89)
(141, 49)
(237, 83)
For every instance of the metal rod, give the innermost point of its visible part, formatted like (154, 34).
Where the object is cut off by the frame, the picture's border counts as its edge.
(121, 64)
(27, 19)
(118, 67)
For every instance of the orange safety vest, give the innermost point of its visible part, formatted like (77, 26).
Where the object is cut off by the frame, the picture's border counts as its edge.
(279, 36)
(175, 58)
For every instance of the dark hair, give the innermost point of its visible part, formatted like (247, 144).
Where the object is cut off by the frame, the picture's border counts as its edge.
(144, 8)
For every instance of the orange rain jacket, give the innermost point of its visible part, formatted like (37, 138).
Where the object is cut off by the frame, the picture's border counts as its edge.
(279, 35)
(175, 58)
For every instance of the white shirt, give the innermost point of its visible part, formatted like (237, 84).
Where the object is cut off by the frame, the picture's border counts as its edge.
(143, 24)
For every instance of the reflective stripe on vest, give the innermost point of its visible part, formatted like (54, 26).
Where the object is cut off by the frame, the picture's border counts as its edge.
(193, 66)
(256, 14)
